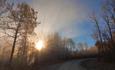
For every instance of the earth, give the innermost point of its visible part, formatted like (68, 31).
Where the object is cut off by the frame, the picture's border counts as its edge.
(82, 64)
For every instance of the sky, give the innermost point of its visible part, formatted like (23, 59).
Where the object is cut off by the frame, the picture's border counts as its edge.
(70, 18)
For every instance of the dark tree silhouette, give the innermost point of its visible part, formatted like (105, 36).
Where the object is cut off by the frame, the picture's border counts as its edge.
(107, 38)
(94, 18)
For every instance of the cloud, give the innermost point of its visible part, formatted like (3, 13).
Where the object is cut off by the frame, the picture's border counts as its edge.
(59, 16)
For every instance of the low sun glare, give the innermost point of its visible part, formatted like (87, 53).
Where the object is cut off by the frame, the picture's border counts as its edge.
(39, 45)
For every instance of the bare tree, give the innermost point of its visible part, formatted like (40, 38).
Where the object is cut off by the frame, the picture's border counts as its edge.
(27, 26)
(94, 18)
(106, 36)
(109, 16)
(25, 16)
(21, 20)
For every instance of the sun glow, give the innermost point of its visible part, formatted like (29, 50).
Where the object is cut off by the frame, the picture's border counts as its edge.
(39, 45)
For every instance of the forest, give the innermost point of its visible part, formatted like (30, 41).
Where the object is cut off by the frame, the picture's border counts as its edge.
(21, 48)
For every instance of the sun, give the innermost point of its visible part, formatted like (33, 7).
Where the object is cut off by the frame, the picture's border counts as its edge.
(39, 45)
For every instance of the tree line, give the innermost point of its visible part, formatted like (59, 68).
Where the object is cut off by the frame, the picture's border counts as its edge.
(17, 22)
(105, 30)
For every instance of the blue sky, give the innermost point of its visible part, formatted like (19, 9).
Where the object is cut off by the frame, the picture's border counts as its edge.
(87, 25)
(68, 17)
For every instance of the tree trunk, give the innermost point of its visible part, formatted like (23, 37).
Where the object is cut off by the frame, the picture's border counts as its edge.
(99, 31)
(14, 43)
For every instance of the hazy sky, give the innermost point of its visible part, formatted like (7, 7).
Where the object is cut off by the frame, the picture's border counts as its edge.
(68, 17)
